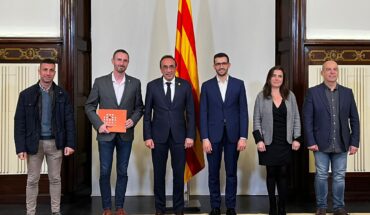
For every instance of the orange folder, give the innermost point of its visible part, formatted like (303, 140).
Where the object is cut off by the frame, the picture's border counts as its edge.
(114, 119)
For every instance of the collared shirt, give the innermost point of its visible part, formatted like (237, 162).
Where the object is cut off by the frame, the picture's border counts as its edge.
(46, 110)
(223, 86)
(336, 144)
(172, 86)
(44, 89)
(118, 88)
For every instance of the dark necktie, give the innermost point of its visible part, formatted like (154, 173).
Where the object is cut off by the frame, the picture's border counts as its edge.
(168, 93)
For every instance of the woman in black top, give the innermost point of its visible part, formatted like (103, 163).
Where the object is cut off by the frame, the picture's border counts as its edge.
(277, 130)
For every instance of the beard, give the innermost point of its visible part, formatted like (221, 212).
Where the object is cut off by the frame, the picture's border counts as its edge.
(221, 72)
(121, 69)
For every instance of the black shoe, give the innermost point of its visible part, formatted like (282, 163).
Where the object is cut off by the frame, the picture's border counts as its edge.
(230, 211)
(273, 211)
(215, 211)
(282, 211)
(273, 206)
(321, 211)
(340, 211)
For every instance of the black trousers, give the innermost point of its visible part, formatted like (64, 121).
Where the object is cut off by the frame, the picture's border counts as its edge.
(159, 158)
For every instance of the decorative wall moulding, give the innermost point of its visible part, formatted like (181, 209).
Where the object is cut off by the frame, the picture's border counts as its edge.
(16, 54)
(350, 55)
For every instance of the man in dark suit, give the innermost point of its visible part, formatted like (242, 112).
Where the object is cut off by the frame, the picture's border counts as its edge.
(117, 90)
(223, 127)
(169, 124)
(332, 130)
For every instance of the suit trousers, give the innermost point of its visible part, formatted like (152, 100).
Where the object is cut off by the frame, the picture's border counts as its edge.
(54, 157)
(159, 158)
(231, 155)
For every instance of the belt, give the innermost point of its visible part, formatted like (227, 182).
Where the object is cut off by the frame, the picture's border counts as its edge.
(47, 137)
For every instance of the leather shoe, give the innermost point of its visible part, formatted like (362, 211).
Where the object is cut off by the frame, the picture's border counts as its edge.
(340, 211)
(215, 211)
(159, 213)
(230, 211)
(321, 211)
(107, 212)
(120, 211)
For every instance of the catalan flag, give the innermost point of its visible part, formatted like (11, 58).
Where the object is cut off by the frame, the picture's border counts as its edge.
(186, 58)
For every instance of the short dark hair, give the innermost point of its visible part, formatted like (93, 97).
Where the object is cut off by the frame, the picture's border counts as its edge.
(165, 57)
(221, 54)
(47, 61)
(122, 51)
(284, 90)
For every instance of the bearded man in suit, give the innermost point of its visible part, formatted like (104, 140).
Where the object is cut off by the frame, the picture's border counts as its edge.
(117, 90)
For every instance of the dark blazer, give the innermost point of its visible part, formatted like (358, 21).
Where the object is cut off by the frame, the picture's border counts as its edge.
(103, 94)
(160, 118)
(214, 113)
(27, 120)
(316, 117)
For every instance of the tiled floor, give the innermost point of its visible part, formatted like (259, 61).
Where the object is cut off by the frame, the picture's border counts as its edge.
(145, 205)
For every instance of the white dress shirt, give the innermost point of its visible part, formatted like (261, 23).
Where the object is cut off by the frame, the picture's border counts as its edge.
(172, 86)
(118, 88)
(223, 86)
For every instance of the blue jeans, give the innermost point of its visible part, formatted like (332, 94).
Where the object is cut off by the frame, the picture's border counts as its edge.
(338, 167)
(123, 151)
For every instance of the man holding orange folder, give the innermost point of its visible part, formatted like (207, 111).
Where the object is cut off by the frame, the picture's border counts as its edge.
(116, 93)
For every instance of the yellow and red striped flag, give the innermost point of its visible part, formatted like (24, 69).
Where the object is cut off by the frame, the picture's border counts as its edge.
(186, 58)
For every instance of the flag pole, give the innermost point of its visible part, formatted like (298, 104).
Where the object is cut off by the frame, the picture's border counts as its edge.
(191, 205)
(186, 58)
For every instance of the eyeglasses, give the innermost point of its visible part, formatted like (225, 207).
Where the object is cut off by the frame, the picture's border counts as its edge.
(222, 64)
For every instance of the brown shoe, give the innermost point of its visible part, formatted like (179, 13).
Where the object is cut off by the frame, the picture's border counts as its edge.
(340, 211)
(107, 212)
(120, 211)
(321, 211)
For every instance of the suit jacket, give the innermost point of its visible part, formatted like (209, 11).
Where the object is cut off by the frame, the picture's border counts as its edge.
(317, 119)
(215, 114)
(160, 118)
(27, 120)
(263, 119)
(103, 94)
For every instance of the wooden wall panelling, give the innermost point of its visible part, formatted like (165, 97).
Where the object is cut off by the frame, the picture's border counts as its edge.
(345, 52)
(295, 53)
(288, 52)
(77, 60)
(72, 50)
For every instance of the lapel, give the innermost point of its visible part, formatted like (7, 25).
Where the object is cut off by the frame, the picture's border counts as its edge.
(323, 97)
(228, 89)
(216, 89)
(127, 87)
(110, 88)
(160, 90)
(177, 89)
(341, 97)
